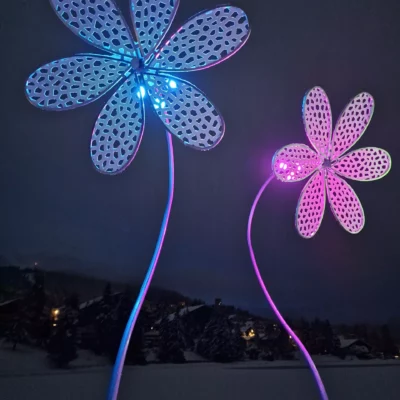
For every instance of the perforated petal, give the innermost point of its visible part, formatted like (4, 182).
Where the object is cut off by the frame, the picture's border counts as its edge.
(311, 206)
(317, 119)
(185, 111)
(344, 203)
(74, 81)
(366, 164)
(295, 162)
(207, 39)
(118, 130)
(152, 20)
(352, 123)
(98, 22)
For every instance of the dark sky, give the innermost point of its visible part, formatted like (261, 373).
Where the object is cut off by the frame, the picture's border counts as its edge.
(54, 203)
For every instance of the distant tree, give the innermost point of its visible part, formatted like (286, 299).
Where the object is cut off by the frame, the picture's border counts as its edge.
(375, 340)
(221, 342)
(62, 347)
(105, 321)
(360, 331)
(17, 332)
(38, 319)
(197, 302)
(172, 343)
(30, 323)
(284, 345)
(120, 316)
(388, 346)
(331, 343)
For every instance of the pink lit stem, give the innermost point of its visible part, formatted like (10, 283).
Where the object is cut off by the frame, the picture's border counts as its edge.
(119, 363)
(300, 345)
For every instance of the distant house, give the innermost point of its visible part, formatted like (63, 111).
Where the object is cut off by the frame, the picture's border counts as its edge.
(354, 347)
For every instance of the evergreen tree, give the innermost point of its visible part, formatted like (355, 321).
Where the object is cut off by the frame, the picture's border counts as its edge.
(331, 342)
(17, 333)
(38, 321)
(105, 321)
(30, 324)
(172, 343)
(62, 347)
(388, 346)
(120, 316)
(284, 345)
(220, 342)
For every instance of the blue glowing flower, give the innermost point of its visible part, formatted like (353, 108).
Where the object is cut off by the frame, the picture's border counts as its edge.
(140, 66)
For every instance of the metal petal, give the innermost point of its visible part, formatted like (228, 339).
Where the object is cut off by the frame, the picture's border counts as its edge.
(151, 20)
(311, 206)
(185, 111)
(74, 81)
(295, 162)
(207, 39)
(317, 119)
(119, 128)
(344, 203)
(98, 22)
(366, 164)
(352, 123)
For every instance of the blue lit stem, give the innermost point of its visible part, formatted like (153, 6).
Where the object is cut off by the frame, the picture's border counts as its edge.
(119, 363)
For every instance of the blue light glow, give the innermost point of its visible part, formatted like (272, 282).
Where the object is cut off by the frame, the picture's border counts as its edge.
(172, 84)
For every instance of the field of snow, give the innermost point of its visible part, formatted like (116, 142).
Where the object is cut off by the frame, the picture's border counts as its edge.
(272, 381)
(25, 374)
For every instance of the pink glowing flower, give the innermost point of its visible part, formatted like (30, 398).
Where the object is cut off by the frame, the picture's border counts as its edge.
(296, 162)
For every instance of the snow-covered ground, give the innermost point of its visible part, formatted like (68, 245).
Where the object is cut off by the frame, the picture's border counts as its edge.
(25, 375)
(208, 382)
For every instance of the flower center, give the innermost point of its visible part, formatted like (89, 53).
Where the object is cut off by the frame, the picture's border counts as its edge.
(327, 163)
(137, 64)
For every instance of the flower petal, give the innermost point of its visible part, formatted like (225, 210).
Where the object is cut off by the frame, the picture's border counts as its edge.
(74, 81)
(295, 162)
(98, 22)
(311, 206)
(119, 128)
(151, 20)
(185, 111)
(344, 203)
(207, 39)
(366, 164)
(317, 119)
(352, 123)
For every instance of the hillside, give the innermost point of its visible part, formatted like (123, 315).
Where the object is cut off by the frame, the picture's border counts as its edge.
(61, 284)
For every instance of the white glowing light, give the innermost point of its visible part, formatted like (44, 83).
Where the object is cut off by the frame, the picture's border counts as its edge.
(141, 92)
(172, 84)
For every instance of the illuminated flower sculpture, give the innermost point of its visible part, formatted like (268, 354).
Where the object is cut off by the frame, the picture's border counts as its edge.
(296, 162)
(140, 64)
(140, 67)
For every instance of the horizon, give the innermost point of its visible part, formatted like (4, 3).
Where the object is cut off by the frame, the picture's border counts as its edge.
(261, 312)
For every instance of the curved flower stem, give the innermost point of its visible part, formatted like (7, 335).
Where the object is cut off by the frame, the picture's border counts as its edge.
(119, 363)
(300, 345)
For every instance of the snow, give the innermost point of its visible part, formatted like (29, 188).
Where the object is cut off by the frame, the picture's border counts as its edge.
(191, 356)
(9, 301)
(25, 374)
(182, 312)
(26, 360)
(200, 381)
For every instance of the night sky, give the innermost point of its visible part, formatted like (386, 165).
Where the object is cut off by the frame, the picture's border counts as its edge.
(53, 202)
